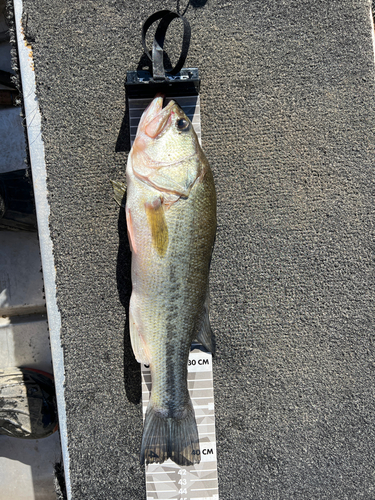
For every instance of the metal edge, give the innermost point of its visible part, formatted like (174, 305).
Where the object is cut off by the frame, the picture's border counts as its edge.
(39, 175)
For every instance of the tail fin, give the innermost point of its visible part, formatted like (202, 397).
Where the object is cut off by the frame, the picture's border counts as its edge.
(166, 437)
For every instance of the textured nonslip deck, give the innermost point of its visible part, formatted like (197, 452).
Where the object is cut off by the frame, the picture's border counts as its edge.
(287, 110)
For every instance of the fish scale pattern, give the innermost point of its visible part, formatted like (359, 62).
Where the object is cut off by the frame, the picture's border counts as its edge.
(169, 286)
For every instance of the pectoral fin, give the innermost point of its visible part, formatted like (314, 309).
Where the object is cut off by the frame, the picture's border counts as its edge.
(158, 225)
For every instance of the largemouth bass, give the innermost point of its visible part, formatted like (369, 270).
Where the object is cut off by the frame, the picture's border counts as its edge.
(171, 220)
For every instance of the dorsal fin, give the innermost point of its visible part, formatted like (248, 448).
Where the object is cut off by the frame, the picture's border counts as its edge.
(205, 335)
(119, 189)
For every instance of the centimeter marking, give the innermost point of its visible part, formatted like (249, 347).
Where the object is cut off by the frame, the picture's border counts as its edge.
(169, 481)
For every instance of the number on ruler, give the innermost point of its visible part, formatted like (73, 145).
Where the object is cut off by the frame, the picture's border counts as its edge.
(182, 481)
(182, 472)
(193, 362)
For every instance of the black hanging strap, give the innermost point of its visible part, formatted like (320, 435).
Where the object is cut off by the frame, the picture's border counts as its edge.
(175, 82)
(156, 57)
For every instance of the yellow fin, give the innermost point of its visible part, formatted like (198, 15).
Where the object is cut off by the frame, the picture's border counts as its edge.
(157, 223)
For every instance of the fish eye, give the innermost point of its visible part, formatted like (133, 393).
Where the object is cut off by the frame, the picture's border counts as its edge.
(183, 124)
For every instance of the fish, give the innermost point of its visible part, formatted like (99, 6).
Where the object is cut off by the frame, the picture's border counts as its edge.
(171, 222)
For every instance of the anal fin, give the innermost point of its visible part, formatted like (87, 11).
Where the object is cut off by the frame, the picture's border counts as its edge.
(204, 334)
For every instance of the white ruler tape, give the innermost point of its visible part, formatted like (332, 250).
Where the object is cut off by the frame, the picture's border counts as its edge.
(169, 481)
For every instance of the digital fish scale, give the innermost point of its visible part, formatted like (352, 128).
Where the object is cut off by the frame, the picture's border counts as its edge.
(169, 481)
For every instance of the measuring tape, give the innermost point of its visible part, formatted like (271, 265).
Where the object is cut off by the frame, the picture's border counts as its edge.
(169, 481)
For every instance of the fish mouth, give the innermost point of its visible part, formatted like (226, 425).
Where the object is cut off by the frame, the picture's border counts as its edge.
(156, 119)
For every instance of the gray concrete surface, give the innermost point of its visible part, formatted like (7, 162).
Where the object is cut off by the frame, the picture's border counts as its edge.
(287, 124)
